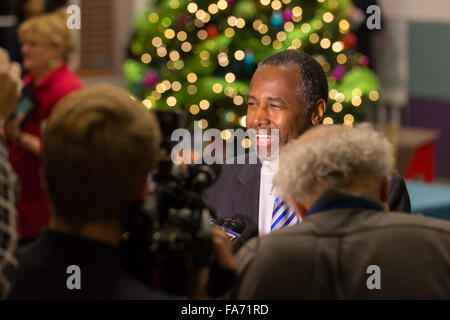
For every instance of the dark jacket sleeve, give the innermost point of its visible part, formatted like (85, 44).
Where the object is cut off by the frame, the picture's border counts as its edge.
(398, 194)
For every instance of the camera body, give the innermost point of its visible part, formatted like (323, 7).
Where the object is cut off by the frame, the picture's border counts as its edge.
(168, 239)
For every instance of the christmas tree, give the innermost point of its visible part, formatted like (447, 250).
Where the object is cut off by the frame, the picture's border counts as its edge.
(200, 55)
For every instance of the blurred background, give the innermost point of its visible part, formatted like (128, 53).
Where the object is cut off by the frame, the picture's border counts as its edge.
(199, 56)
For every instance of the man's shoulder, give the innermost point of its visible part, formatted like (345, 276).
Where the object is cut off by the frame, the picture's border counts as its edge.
(43, 275)
(349, 222)
(129, 288)
(417, 222)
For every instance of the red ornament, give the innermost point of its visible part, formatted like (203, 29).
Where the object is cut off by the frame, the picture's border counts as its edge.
(349, 41)
(182, 19)
(212, 31)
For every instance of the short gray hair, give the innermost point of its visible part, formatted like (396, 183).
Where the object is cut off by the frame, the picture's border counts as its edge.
(332, 161)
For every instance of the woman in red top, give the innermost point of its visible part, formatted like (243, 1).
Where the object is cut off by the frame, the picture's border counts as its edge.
(47, 44)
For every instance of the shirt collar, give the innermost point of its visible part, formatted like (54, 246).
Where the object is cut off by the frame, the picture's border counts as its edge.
(270, 167)
(335, 199)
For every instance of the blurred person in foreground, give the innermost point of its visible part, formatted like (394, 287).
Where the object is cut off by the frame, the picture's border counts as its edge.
(47, 44)
(9, 187)
(98, 148)
(348, 246)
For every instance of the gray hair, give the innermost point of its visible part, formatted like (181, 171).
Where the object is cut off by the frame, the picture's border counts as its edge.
(332, 160)
(314, 85)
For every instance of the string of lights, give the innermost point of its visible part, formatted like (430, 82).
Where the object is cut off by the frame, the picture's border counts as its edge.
(200, 56)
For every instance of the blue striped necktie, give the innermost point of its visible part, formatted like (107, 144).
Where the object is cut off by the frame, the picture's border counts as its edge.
(282, 215)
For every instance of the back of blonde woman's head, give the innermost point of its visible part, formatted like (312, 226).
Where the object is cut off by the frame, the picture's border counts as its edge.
(50, 29)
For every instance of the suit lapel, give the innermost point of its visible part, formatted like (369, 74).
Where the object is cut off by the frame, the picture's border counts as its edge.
(246, 196)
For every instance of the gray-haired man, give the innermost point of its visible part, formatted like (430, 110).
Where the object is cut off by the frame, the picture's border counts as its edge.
(348, 246)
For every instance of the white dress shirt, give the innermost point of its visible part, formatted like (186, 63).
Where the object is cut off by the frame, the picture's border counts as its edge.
(267, 195)
(266, 198)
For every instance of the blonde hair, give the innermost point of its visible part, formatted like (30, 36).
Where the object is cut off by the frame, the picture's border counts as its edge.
(49, 29)
(99, 146)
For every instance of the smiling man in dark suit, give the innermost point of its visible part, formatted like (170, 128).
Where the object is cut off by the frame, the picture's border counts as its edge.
(288, 94)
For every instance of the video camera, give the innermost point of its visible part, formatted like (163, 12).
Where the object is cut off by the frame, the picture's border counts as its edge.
(168, 240)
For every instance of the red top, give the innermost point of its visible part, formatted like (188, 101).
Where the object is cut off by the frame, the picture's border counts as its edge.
(33, 206)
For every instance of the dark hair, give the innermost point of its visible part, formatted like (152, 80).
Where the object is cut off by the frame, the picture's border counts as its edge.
(314, 85)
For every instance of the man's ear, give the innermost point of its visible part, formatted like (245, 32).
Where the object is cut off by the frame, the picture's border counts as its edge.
(318, 112)
(299, 208)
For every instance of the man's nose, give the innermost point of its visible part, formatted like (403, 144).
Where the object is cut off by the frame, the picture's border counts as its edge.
(262, 117)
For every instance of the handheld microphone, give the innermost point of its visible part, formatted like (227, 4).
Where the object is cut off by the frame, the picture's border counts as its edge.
(236, 227)
(235, 223)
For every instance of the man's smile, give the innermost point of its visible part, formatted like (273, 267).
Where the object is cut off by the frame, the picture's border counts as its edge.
(264, 139)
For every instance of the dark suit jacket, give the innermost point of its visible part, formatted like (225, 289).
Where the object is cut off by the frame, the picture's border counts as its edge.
(236, 192)
(328, 255)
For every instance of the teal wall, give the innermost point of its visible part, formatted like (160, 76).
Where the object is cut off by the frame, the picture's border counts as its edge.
(429, 60)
